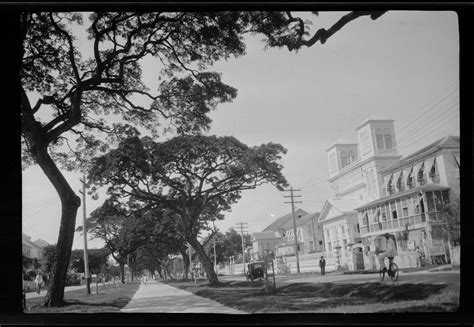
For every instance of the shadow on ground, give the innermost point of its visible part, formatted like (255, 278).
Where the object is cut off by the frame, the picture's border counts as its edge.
(310, 296)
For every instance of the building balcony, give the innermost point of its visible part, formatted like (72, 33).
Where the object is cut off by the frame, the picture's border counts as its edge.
(416, 221)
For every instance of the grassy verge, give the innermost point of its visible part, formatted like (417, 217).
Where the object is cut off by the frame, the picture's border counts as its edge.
(109, 299)
(329, 297)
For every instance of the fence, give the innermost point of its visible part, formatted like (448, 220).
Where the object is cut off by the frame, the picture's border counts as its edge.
(308, 263)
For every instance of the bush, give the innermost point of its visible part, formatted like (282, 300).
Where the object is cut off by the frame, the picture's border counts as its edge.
(72, 279)
(30, 274)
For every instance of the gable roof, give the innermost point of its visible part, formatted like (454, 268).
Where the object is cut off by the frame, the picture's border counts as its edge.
(343, 206)
(41, 243)
(26, 240)
(265, 235)
(280, 222)
(445, 142)
(300, 221)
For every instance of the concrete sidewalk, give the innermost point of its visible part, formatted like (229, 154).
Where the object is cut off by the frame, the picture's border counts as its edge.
(159, 297)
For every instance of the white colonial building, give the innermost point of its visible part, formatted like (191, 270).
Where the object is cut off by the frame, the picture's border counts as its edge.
(373, 189)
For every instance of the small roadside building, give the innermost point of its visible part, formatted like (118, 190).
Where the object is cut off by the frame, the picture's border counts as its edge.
(32, 249)
(341, 230)
(279, 235)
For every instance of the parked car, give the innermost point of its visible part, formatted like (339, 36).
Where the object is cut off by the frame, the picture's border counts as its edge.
(255, 270)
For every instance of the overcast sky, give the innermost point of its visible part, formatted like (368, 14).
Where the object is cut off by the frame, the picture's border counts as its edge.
(403, 66)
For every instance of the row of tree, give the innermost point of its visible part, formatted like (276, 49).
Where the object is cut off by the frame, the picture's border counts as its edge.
(69, 95)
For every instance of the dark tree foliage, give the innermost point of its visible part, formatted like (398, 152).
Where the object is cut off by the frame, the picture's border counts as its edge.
(26, 262)
(227, 245)
(197, 177)
(49, 255)
(448, 225)
(75, 94)
(96, 258)
(122, 231)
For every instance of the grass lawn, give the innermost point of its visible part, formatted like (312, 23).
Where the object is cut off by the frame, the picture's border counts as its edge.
(329, 297)
(109, 299)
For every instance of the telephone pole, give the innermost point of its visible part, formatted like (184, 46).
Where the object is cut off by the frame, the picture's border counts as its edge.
(242, 225)
(292, 196)
(86, 259)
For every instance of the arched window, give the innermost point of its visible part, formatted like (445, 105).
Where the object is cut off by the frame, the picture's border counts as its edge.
(383, 138)
(347, 157)
(387, 138)
(379, 138)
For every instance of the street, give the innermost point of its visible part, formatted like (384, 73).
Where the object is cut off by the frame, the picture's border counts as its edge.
(420, 277)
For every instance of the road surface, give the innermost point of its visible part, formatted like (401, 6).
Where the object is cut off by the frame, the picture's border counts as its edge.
(420, 277)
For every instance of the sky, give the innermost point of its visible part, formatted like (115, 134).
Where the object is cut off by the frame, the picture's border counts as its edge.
(403, 66)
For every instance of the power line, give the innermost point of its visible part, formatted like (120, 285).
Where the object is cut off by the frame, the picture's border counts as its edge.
(438, 111)
(401, 136)
(404, 138)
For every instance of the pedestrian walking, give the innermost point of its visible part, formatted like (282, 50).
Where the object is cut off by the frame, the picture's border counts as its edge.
(38, 281)
(144, 280)
(322, 265)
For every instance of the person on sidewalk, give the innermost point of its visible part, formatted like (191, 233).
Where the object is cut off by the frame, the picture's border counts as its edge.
(322, 265)
(38, 281)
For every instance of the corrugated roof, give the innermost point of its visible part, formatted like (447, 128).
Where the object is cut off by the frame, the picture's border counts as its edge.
(279, 222)
(344, 205)
(447, 141)
(41, 243)
(299, 221)
(265, 235)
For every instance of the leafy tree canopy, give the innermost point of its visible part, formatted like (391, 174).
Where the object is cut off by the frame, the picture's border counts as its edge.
(196, 176)
(97, 259)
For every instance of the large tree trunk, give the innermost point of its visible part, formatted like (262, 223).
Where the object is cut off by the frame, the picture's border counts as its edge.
(166, 269)
(203, 258)
(122, 272)
(185, 264)
(70, 202)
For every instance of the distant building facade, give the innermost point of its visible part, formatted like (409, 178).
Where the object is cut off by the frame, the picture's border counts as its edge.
(279, 236)
(32, 249)
(374, 190)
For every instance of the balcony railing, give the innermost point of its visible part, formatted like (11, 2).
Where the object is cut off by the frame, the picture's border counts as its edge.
(394, 224)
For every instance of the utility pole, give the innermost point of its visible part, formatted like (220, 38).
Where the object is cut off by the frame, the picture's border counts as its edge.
(241, 225)
(314, 233)
(86, 259)
(292, 196)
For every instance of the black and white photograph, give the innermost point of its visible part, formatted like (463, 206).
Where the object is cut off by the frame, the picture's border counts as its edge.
(240, 162)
